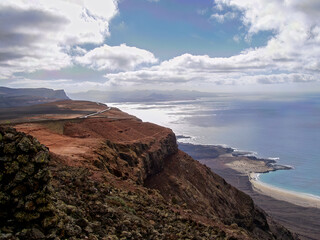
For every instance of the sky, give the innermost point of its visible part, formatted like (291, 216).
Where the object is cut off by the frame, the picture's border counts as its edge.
(211, 45)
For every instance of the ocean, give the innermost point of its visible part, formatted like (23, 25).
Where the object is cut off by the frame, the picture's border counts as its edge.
(285, 127)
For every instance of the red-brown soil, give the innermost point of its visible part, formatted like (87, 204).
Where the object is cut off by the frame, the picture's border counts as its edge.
(121, 150)
(81, 139)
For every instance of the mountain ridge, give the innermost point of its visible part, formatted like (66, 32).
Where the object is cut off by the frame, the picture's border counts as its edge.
(139, 95)
(15, 97)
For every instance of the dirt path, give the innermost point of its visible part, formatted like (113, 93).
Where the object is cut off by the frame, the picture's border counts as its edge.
(96, 113)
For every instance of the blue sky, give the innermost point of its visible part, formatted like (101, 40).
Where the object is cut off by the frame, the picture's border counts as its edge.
(211, 45)
(171, 28)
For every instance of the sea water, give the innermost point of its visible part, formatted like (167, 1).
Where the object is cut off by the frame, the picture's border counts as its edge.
(283, 127)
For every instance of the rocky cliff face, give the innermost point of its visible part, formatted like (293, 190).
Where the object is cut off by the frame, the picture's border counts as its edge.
(186, 181)
(130, 149)
(37, 92)
(14, 97)
(137, 161)
(25, 204)
(132, 182)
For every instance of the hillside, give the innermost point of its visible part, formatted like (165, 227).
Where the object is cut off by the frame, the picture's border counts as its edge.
(115, 177)
(14, 97)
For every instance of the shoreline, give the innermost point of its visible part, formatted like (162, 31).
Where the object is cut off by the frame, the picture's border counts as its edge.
(302, 220)
(251, 166)
(297, 198)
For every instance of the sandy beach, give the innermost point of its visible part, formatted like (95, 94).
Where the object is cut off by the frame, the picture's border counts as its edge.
(254, 167)
(297, 198)
(298, 212)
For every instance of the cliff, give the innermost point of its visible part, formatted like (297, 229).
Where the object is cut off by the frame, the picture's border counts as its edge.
(14, 97)
(115, 177)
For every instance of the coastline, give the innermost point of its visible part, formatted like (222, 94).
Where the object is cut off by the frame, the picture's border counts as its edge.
(251, 166)
(303, 219)
(297, 198)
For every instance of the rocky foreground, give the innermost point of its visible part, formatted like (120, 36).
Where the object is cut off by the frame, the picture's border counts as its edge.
(112, 177)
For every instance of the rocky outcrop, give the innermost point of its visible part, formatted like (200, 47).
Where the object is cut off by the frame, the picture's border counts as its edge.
(156, 162)
(72, 205)
(132, 182)
(186, 181)
(137, 161)
(130, 149)
(93, 209)
(25, 205)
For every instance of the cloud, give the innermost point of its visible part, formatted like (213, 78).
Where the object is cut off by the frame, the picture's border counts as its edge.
(223, 17)
(44, 34)
(183, 69)
(291, 55)
(49, 35)
(117, 58)
(297, 35)
(206, 71)
(218, 6)
(236, 38)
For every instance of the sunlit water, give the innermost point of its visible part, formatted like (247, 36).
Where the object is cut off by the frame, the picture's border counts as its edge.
(284, 127)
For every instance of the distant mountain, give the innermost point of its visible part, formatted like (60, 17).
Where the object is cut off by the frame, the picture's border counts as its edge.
(14, 97)
(139, 95)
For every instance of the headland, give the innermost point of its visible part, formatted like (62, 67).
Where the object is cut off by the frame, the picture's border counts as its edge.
(108, 175)
(298, 212)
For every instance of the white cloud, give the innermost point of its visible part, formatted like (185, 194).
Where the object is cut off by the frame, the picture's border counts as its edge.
(39, 34)
(291, 55)
(78, 51)
(218, 6)
(117, 58)
(236, 38)
(218, 17)
(46, 35)
(223, 17)
(297, 35)
(206, 71)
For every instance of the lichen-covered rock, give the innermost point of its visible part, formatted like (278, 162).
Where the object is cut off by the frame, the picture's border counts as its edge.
(9, 148)
(24, 186)
(42, 157)
(25, 144)
(96, 210)
(33, 233)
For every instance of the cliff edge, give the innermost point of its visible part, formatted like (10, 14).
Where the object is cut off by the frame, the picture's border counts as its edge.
(115, 177)
(16, 97)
